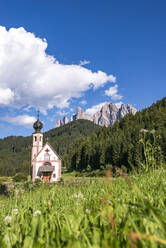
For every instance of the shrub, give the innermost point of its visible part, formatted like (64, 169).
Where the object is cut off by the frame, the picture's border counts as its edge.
(108, 166)
(38, 181)
(19, 177)
(28, 185)
(88, 168)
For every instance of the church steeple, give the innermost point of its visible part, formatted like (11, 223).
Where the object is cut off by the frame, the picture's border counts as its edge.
(37, 137)
(38, 125)
(45, 163)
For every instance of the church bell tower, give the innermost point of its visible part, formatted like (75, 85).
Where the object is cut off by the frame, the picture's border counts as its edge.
(37, 138)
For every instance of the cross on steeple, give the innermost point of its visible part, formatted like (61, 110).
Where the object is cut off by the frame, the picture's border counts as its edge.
(38, 114)
(38, 124)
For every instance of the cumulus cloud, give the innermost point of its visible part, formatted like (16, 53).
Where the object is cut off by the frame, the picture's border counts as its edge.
(84, 62)
(6, 96)
(95, 108)
(113, 93)
(30, 76)
(62, 113)
(21, 120)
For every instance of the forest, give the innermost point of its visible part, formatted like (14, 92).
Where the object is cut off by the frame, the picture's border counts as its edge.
(136, 141)
(15, 152)
(84, 146)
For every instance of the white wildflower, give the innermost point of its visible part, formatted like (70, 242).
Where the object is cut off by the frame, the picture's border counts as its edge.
(79, 195)
(37, 212)
(17, 192)
(8, 219)
(87, 211)
(15, 211)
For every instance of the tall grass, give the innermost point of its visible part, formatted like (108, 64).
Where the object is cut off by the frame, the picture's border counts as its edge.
(113, 212)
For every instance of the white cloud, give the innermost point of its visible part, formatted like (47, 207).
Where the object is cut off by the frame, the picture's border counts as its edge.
(32, 77)
(6, 96)
(62, 113)
(112, 92)
(84, 62)
(95, 108)
(21, 120)
(27, 108)
(83, 102)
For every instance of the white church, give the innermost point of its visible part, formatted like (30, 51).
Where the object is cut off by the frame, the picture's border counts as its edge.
(45, 162)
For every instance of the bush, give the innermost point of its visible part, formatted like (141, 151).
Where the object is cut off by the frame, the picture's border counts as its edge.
(29, 185)
(88, 168)
(108, 166)
(38, 181)
(19, 177)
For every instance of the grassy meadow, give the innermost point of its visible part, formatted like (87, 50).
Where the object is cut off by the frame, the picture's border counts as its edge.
(126, 211)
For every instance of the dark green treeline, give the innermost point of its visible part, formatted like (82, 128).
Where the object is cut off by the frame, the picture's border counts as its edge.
(15, 152)
(131, 142)
(84, 145)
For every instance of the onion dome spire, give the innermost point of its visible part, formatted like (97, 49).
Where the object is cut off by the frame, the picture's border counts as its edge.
(38, 125)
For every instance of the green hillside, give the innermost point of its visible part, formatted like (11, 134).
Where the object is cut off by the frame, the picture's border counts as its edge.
(15, 152)
(124, 144)
(84, 145)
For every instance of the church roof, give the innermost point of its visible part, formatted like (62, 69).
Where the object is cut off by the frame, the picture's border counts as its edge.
(38, 125)
(46, 168)
(50, 148)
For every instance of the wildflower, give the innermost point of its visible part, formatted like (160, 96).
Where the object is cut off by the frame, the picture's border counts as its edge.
(79, 195)
(142, 130)
(87, 211)
(8, 219)
(15, 211)
(17, 192)
(37, 212)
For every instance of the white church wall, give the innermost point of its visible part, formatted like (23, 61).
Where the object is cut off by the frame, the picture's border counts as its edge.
(39, 155)
(55, 172)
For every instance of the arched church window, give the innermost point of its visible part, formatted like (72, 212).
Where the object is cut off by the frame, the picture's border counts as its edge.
(40, 138)
(47, 164)
(35, 138)
(46, 156)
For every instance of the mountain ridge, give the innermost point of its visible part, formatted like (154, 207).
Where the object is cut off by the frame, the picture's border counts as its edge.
(106, 116)
(126, 143)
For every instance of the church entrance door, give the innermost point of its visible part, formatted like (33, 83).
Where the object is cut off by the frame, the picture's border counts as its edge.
(46, 177)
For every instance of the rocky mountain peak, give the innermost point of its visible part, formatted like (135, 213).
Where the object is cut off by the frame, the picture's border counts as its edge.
(79, 110)
(106, 116)
(131, 109)
(62, 122)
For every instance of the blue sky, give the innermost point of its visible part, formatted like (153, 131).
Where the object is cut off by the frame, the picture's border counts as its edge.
(124, 40)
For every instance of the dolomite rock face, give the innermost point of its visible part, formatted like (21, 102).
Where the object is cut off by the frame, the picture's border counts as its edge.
(108, 114)
(131, 109)
(62, 122)
(81, 115)
(65, 120)
(58, 123)
(122, 111)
